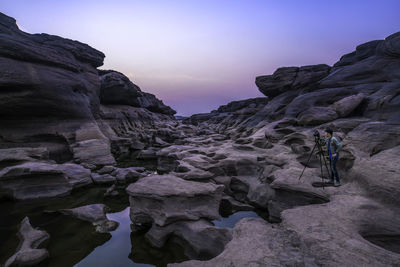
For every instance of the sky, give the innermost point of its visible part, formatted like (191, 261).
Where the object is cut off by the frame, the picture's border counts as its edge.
(198, 55)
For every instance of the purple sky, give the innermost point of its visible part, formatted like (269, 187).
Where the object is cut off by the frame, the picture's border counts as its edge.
(197, 55)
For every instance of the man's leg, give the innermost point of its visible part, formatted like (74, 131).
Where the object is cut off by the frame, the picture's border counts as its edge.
(334, 170)
(332, 173)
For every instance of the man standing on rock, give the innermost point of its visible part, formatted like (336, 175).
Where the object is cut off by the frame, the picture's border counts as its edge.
(333, 147)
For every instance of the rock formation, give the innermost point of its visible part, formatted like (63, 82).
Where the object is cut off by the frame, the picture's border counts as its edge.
(62, 119)
(175, 208)
(353, 225)
(66, 124)
(175, 199)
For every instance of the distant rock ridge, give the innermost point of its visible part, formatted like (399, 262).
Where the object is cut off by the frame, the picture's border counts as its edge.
(371, 70)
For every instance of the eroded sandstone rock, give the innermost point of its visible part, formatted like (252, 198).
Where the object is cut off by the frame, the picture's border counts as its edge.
(32, 180)
(167, 198)
(200, 239)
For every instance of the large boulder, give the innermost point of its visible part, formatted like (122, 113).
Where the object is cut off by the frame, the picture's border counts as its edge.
(317, 115)
(310, 74)
(391, 45)
(291, 78)
(117, 89)
(167, 198)
(347, 105)
(280, 81)
(362, 51)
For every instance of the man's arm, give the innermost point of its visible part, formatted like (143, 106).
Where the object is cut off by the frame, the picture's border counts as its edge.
(338, 145)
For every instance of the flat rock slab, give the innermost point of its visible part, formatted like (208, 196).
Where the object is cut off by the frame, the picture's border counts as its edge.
(342, 226)
(258, 243)
(33, 180)
(167, 198)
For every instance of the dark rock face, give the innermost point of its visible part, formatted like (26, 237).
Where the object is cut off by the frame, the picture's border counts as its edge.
(117, 89)
(53, 97)
(277, 83)
(290, 78)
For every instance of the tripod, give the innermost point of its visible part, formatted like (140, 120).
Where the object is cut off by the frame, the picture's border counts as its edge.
(317, 141)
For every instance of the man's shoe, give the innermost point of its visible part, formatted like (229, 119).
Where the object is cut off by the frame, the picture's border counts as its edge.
(337, 184)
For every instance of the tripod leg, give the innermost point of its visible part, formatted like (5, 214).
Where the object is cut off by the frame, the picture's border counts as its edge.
(320, 164)
(329, 170)
(326, 166)
(312, 151)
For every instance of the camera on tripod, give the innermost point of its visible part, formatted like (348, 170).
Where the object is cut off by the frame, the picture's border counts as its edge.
(320, 145)
(316, 134)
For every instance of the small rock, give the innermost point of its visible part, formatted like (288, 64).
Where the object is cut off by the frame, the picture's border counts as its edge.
(127, 175)
(106, 169)
(103, 178)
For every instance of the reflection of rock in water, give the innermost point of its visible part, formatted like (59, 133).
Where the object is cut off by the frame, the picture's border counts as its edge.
(143, 252)
(28, 252)
(71, 240)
